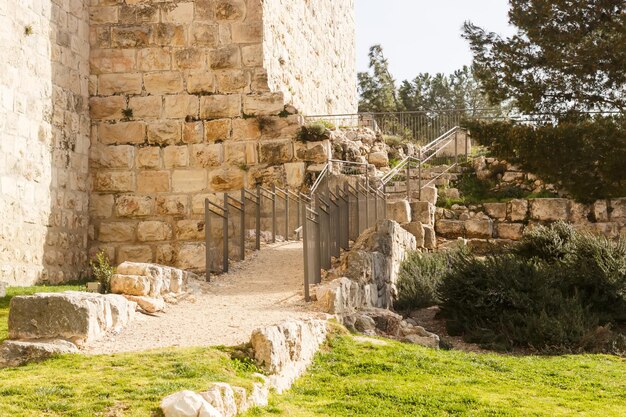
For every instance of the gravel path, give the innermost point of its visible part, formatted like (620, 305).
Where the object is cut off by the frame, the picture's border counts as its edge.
(265, 289)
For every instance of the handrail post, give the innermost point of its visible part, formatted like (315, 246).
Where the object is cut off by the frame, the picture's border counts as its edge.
(286, 215)
(207, 239)
(408, 180)
(305, 237)
(299, 216)
(419, 175)
(456, 147)
(258, 218)
(466, 147)
(273, 213)
(367, 206)
(225, 239)
(242, 233)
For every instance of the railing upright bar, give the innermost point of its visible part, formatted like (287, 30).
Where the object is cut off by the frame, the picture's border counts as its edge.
(242, 233)
(225, 238)
(305, 240)
(286, 216)
(419, 175)
(258, 218)
(273, 213)
(207, 239)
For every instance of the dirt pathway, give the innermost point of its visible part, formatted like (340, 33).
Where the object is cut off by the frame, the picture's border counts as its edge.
(265, 289)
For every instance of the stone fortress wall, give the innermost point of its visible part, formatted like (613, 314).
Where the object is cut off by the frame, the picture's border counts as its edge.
(118, 117)
(44, 140)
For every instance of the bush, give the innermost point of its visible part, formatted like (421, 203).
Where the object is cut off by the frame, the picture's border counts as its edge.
(315, 131)
(584, 156)
(420, 275)
(556, 292)
(102, 271)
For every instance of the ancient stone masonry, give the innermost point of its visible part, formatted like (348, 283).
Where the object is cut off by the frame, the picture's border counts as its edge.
(119, 117)
(44, 140)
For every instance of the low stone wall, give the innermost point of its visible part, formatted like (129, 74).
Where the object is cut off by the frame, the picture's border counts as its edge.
(283, 351)
(509, 220)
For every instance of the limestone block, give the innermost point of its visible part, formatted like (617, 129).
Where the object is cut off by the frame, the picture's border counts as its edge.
(181, 106)
(201, 82)
(121, 133)
(427, 341)
(131, 36)
(230, 9)
(191, 256)
(399, 211)
(429, 194)
(295, 172)
(73, 316)
(226, 179)
(168, 82)
(263, 104)
(178, 13)
(114, 181)
(275, 152)
(217, 130)
(511, 176)
(479, 228)
(14, 353)
(417, 230)
(149, 157)
(104, 61)
(187, 404)
(248, 32)
(193, 132)
(246, 129)
(430, 238)
(188, 181)
(226, 57)
(153, 59)
(496, 210)
(232, 81)
(170, 34)
(423, 212)
(315, 152)
(549, 209)
(101, 206)
(517, 210)
(579, 212)
(222, 397)
(134, 253)
(237, 154)
(107, 108)
(153, 182)
(112, 156)
(618, 209)
(167, 133)
(600, 211)
(338, 296)
(220, 106)
(206, 156)
(134, 206)
(116, 232)
(379, 159)
(138, 285)
(252, 55)
(190, 230)
(148, 304)
(188, 59)
(153, 231)
(109, 84)
(176, 156)
(450, 228)
(204, 34)
(172, 205)
(511, 231)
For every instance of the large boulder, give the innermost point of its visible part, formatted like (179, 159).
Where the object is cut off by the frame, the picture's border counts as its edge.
(549, 209)
(479, 228)
(222, 397)
(18, 352)
(144, 279)
(417, 230)
(429, 195)
(399, 211)
(339, 296)
(77, 317)
(423, 212)
(187, 404)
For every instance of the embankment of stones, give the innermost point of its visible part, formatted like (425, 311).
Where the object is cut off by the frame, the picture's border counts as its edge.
(283, 351)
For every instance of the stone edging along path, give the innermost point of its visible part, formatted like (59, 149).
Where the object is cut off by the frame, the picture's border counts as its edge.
(283, 351)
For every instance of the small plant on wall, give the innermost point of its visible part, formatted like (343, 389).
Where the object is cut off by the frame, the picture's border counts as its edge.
(102, 271)
(28, 30)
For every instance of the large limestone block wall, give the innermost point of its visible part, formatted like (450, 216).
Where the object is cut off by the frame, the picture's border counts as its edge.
(181, 109)
(310, 53)
(44, 140)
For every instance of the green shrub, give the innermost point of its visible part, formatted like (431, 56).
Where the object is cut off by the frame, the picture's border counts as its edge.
(555, 292)
(102, 271)
(584, 156)
(315, 131)
(420, 275)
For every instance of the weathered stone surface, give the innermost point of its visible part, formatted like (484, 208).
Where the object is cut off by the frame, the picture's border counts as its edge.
(379, 159)
(517, 210)
(286, 350)
(549, 209)
(428, 341)
(479, 228)
(429, 194)
(130, 284)
(386, 321)
(511, 231)
(15, 353)
(339, 296)
(74, 316)
(618, 209)
(3, 289)
(423, 212)
(417, 230)
(222, 397)
(496, 210)
(399, 211)
(187, 404)
(430, 238)
(450, 228)
(147, 304)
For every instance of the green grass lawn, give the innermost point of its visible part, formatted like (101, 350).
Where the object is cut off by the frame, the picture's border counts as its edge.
(355, 379)
(13, 291)
(347, 379)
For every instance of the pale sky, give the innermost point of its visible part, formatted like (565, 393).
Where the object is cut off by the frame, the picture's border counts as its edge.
(424, 35)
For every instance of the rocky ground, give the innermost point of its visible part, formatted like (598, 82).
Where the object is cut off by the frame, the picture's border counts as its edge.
(264, 290)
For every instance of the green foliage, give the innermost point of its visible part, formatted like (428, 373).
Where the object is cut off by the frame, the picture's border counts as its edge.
(585, 157)
(565, 55)
(377, 90)
(420, 275)
(551, 293)
(28, 30)
(102, 271)
(315, 131)
(360, 379)
(127, 113)
(394, 141)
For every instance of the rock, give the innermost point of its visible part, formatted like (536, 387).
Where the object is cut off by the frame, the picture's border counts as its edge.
(338, 296)
(386, 321)
(187, 404)
(450, 228)
(130, 284)
(495, 210)
(511, 176)
(18, 352)
(429, 194)
(479, 228)
(430, 238)
(379, 159)
(417, 230)
(287, 349)
(452, 193)
(148, 304)
(78, 317)
(259, 397)
(423, 212)
(399, 211)
(618, 209)
(411, 322)
(600, 211)
(222, 397)
(428, 341)
(517, 210)
(511, 231)
(549, 209)
(3, 289)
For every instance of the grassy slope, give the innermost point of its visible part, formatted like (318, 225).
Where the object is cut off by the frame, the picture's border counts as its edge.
(13, 291)
(402, 380)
